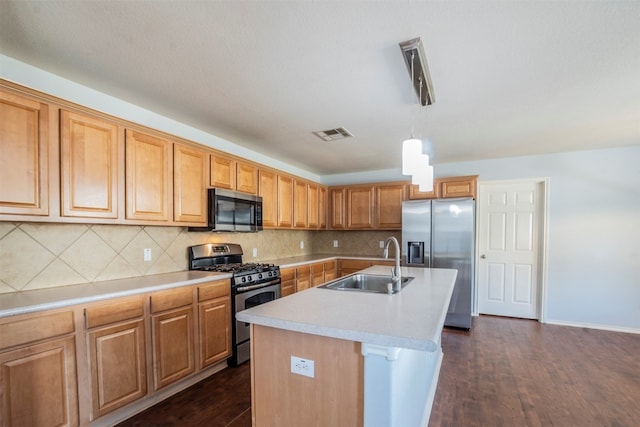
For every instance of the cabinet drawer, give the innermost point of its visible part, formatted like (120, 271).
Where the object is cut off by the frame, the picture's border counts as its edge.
(221, 288)
(112, 313)
(287, 274)
(175, 298)
(303, 271)
(35, 328)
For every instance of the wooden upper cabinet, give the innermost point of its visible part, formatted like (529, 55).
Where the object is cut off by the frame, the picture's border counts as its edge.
(360, 207)
(338, 209)
(300, 208)
(322, 207)
(90, 162)
(223, 172)
(246, 178)
(285, 201)
(268, 190)
(389, 206)
(458, 186)
(313, 212)
(24, 155)
(416, 194)
(189, 185)
(149, 169)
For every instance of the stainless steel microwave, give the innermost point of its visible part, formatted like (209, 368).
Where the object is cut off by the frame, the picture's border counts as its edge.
(232, 211)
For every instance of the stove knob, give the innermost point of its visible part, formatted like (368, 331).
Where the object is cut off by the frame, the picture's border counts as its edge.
(260, 276)
(244, 279)
(250, 278)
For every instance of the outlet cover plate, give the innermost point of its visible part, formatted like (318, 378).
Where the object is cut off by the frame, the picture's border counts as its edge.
(302, 366)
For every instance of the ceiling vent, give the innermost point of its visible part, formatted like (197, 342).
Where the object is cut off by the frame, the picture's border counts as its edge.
(333, 134)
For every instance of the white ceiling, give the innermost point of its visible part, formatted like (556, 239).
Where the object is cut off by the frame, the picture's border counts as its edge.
(510, 78)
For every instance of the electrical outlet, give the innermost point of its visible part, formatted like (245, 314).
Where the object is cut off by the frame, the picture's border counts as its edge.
(381, 244)
(302, 366)
(335, 243)
(255, 252)
(147, 254)
(301, 244)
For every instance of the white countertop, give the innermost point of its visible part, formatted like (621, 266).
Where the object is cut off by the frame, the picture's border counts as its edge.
(412, 318)
(45, 299)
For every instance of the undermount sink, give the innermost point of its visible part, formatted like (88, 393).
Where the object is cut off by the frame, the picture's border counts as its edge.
(366, 283)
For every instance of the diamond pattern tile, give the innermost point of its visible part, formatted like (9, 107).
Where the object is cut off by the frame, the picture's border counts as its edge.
(39, 255)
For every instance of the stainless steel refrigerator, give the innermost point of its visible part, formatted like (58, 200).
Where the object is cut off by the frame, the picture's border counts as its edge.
(441, 234)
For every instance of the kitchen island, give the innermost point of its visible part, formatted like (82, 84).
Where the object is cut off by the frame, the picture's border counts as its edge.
(364, 358)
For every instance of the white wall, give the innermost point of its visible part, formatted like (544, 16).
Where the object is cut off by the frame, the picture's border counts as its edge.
(593, 231)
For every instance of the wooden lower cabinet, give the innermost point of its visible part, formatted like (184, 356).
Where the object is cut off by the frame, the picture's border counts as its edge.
(317, 274)
(303, 277)
(117, 354)
(330, 270)
(288, 281)
(214, 322)
(38, 380)
(173, 351)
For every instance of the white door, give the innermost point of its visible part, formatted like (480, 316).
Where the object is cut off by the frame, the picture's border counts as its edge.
(510, 245)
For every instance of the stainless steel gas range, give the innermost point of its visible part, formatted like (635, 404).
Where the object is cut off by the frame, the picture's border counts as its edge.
(252, 284)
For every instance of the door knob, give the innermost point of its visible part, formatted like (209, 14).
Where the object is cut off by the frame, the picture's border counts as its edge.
(483, 256)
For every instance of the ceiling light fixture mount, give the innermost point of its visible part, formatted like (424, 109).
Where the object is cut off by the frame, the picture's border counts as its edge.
(416, 60)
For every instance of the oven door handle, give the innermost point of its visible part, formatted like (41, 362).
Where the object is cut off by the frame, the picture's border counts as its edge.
(257, 286)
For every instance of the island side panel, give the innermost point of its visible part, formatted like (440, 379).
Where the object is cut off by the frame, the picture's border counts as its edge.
(334, 397)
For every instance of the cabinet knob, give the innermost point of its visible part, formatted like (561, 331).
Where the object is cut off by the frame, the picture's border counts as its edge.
(483, 256)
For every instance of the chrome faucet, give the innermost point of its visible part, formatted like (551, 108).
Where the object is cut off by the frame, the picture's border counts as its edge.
(395, 272)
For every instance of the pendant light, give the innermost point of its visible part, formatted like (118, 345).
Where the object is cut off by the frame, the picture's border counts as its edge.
(414, 161)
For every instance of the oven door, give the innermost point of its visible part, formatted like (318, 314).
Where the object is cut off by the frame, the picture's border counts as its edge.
(252, 298)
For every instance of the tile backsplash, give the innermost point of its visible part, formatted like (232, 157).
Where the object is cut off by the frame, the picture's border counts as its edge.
(44, 255)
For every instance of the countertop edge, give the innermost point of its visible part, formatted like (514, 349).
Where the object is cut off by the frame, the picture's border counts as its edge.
(62, 302)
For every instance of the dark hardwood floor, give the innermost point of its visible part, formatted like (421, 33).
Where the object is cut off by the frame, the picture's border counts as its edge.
(505, 372)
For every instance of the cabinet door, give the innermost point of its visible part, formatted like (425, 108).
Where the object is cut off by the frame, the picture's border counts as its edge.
(215, 331)
(416, 194)
(300, 200)
(148, 177)
(223, 172)
(360, 202)
(322, 207)
(172, 334)
(38, 384)
(303, 278)
(338, 199)
(285, 201)
(317, 274)
(89, 166)
(24, 155)
(389, 206)
(268, 190)
(246, 178)
(189, 185)
(460, 186)
(288, 279)
(313, 210)
(330, 270)
(118, 366)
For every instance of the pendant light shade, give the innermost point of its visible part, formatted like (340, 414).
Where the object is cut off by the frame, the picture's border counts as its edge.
(411, 152)
(423, 177)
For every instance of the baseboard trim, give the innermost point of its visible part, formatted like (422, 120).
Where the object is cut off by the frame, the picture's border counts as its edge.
(594, 326)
